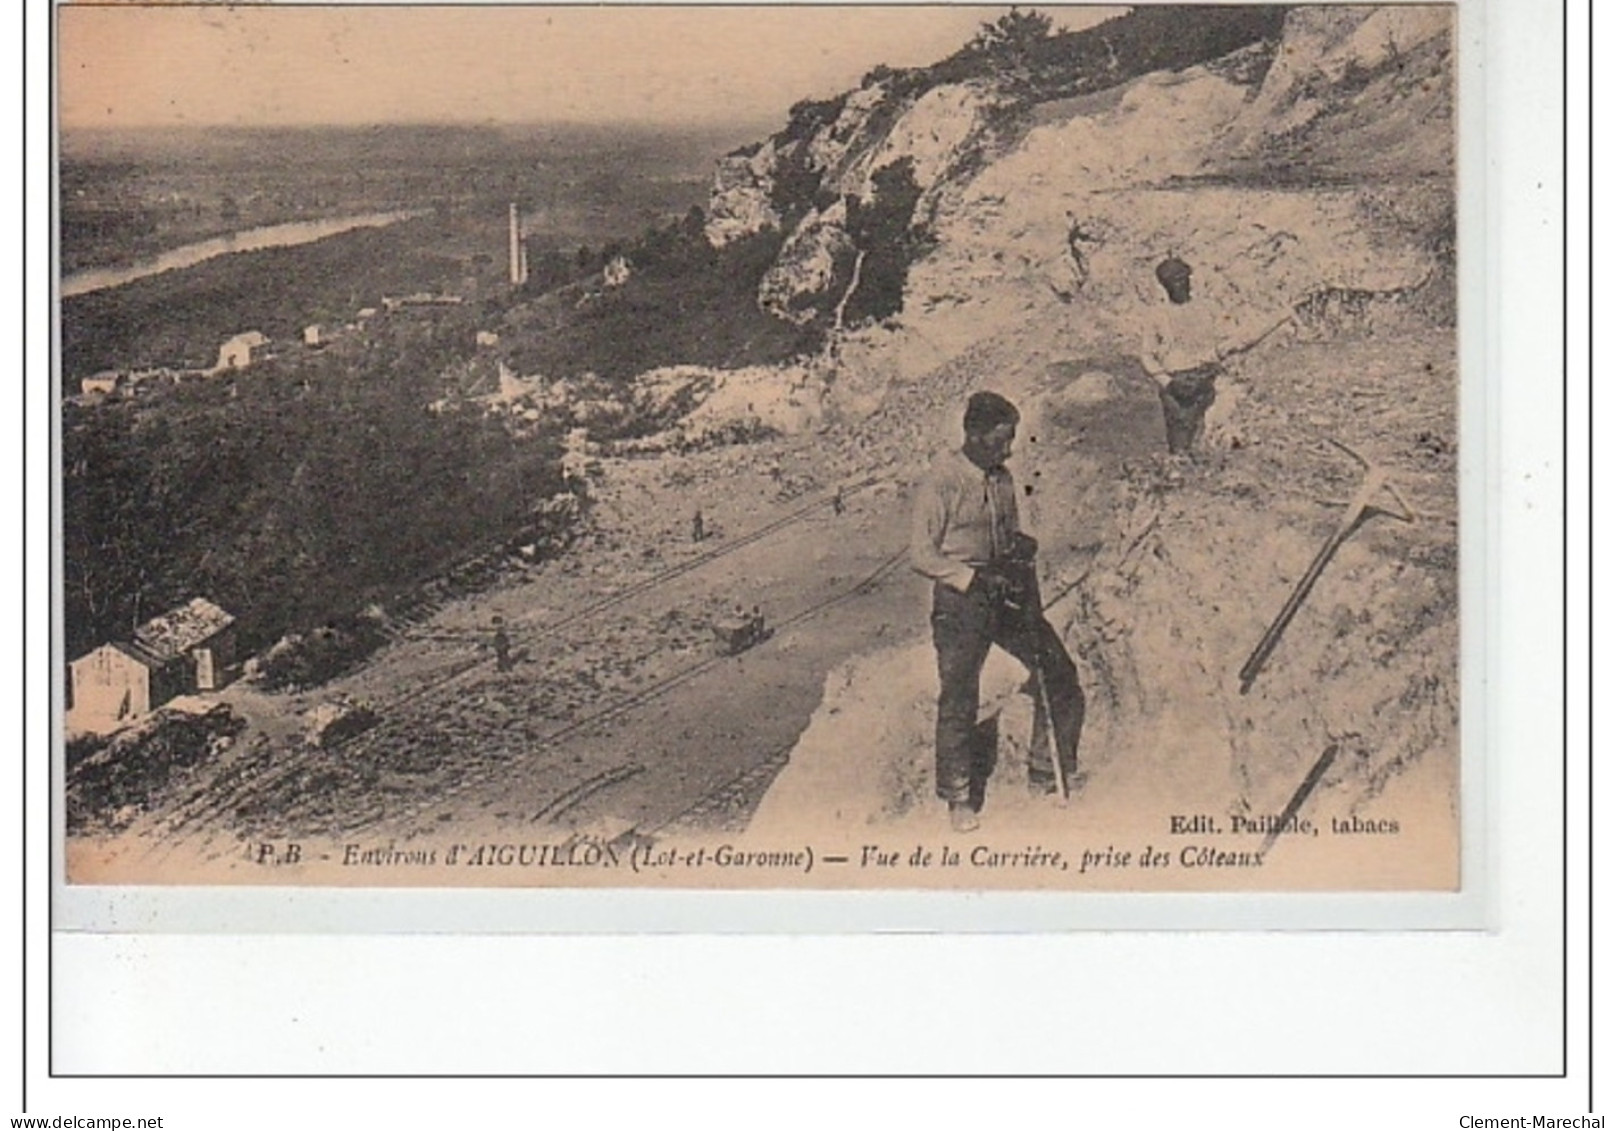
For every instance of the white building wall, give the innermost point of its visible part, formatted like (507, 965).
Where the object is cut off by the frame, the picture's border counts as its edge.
(109, 687)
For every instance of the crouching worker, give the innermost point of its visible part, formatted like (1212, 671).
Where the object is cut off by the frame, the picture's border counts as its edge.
(967, 539)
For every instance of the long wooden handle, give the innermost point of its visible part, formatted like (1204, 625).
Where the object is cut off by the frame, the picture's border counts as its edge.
(1032, 611)
(1302, 792)
(1270, 639)
(1060, 783)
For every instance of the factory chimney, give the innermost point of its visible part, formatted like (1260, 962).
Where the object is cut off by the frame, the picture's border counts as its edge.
(518, 251)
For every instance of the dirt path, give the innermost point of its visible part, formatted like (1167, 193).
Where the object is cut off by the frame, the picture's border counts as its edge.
(625, 713)
(723, 717)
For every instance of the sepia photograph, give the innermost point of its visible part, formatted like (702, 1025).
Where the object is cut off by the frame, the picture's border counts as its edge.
(761, 448)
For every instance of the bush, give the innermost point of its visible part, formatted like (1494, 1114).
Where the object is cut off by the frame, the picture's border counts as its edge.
(883, 230)
(807, 117)
(302, 660)
(694, 308)
(1012, 36)
(290, 495)
(796, 184)
(115, 779)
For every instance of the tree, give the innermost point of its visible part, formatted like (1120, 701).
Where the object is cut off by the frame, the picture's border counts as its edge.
(695, 223)
(1012, 35)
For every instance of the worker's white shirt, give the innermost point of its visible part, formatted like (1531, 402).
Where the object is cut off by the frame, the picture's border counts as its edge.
(964, 517)
(1177, 338)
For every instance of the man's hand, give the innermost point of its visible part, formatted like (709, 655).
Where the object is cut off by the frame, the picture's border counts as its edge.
(1023, 548)
(1187, 390)
(994, 587)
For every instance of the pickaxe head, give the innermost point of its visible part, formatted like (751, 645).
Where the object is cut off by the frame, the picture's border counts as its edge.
(1376, 479)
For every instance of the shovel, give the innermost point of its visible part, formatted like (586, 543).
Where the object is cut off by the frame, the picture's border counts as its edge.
(1362, 506)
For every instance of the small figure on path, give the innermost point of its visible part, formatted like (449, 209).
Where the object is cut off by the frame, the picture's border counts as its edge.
(1075, 237)
(503, 660)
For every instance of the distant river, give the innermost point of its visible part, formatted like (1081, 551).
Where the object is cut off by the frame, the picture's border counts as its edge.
(253, 239)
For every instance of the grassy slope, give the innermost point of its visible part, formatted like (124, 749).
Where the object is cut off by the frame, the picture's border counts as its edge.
(684, 305)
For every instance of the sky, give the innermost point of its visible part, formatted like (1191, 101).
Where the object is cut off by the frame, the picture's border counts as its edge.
(212, 64)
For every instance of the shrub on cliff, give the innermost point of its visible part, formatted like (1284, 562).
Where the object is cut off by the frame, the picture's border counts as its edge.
(685, 304)
(883, 231)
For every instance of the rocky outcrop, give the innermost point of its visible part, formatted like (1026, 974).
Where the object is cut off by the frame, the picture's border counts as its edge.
(1060, 209)
(1310, 176)
(815, 257)
(740, 204)
(703, 407)
(844, 146)
(1385, 71)
(937, 133)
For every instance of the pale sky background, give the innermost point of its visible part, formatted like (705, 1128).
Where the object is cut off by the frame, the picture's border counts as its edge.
(215, 65)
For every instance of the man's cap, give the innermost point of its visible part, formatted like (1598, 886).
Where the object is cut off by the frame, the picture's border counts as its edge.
(986, 411)
(1172, 271)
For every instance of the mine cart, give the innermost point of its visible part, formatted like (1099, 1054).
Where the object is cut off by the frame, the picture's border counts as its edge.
(739, 632)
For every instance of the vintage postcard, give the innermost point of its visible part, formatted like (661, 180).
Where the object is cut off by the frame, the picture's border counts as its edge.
(760, 448)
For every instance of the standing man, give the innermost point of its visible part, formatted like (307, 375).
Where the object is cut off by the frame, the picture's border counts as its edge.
(1181, 353)
(967, 539)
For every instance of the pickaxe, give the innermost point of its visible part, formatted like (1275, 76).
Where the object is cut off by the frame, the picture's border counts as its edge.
(1361, 507)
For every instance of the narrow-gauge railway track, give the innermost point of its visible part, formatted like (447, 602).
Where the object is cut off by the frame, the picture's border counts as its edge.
(260, 778)
(206, 805)
(549, 629)
(662, 687)
(775, 759)
(894, 424)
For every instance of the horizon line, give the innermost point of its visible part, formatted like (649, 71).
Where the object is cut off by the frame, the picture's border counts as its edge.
(417, 123)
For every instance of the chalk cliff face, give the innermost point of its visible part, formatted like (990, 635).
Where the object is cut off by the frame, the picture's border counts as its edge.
(740, 204)
(1306, 173)
(1372, 86)
(1032, 204)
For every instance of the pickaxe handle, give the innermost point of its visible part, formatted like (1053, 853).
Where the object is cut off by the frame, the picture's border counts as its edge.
(1302, 792)
(1060, 782)
(1373, 482)
(1235, 351)
(1031, 609)
(1270, 639)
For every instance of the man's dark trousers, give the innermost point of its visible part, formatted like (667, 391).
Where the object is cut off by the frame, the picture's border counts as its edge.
(1184, 402)
(963, 627)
